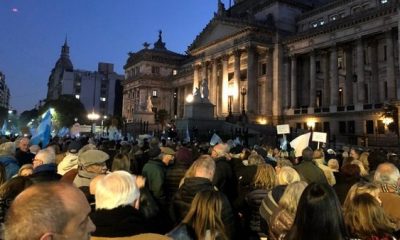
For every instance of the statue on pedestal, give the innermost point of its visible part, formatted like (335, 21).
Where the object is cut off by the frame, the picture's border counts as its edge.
(149, 104)
(204, 89)
(197, 95)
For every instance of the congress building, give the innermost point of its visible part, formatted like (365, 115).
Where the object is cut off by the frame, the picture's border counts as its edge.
(329, 66)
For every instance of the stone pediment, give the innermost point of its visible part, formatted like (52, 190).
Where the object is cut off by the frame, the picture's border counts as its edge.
(216, 30)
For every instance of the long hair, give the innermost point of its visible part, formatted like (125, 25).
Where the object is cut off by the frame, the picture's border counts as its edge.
(205, 215)
(318, 216)
(265, 177)
(365, 218)
(360, 188)
(291, 196)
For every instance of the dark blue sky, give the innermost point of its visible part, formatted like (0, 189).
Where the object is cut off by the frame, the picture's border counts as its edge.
(32, 32)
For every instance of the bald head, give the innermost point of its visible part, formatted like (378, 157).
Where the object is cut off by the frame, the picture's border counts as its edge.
(387, 173)
(53, 206)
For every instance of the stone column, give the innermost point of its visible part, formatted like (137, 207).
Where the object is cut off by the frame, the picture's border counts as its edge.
(333, 77)
(286, 83)
(276, 81)
(377, 95)
(236, 82)
(312, 79)
(268, 83)
(390, 72)
(293, 81)
(196, 80)
(360, 71)
(348, 89)
(326, 85)
(224, 88)
(252, 80)
(203, 72)
(213, 82)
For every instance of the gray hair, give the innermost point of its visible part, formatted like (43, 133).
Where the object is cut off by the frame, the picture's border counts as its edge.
(387, 173)
(7, 149)
(46, 156)
(116, 189)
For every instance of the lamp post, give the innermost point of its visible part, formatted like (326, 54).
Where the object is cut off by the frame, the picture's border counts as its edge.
(243, 92)
(230, 99)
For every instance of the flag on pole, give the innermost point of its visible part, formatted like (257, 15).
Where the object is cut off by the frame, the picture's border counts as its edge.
(4, 128)
(43, 132)
(187, 135)
(300, 143)
(215, 139)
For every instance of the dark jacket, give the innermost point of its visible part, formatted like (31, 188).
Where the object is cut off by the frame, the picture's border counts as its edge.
(172, 179)
(24, 157)
(45, 173)
(184, 196)
(154, 172)
(122, 221)
(310, 172)
(254, 199)
(224, 179)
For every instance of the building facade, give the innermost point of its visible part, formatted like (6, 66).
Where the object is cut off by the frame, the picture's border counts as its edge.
(4, 92)
(97, 90)
(327, 65)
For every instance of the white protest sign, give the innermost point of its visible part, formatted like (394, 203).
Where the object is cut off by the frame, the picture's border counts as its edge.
(283, 129)
(319, 137)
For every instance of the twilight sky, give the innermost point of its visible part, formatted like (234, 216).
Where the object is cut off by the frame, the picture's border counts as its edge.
(33, 31)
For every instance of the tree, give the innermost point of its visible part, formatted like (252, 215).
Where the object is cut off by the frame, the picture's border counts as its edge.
(66, 109)
(27, 116)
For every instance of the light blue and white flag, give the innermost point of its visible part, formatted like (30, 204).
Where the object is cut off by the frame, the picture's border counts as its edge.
(43, 132)
(187, 135)
(215, 139)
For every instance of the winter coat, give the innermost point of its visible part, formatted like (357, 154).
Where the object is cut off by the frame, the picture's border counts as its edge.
(122, 221)
(254, 199)
(45, 173)
(310, 172)
(173, 177)
(224, 178)
(154, 172)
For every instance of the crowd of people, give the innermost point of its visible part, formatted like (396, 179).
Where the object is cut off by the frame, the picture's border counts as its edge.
(159, 189)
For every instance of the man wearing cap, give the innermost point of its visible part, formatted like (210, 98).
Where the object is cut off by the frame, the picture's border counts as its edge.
(91, 164)
(154, 171)
(70, 161)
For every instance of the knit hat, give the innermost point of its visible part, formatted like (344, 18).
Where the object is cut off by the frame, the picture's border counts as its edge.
(91, 157)
(184, 156)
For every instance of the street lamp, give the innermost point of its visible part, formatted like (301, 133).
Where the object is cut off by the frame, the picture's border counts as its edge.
(243, 92)
(93, 117)
(230, 99)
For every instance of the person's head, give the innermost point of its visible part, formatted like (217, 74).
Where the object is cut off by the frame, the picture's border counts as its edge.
(93, 184)
(286, 176)
(93, 161)
(265, 177)
(307, 154)
(60, 210)
(167, 155)
(219, 150)
(355, 153)
(360, 188)
(255, 159)
(351, 171)
(333, 164)
(318, 153)
(387, 173)
(291, 196)
(121, 162)
(364, 160)
(204, 167)
(363, 171)
(205, 215)
(9, 190)
(365, 217)
(319, 215)
(25, 170)
(116, 189)
(45, 156)
(7, 149)
(282, 162)
(24, 144)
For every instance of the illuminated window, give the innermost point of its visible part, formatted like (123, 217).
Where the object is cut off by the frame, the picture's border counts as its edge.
(384, 1)
(314, 24)
(154, 93)
(321, 22)
(103, 99)
(77, 96)
(174, 72)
